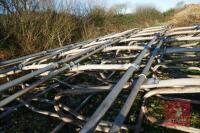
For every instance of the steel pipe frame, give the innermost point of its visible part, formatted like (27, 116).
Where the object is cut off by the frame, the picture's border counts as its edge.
(185, 38)
(134, 91)
(167, 50)
(61, 52)
(183, 28)
(169, 33)
(81, 118)
(177, 90)
(181, 50)
(180, 60)
(155, 68)
(105, 105)
(170, 39)
(138, 37)
(101, 67)
(47, 89)
(182, 32)
(175, 127)
(47, 68)
(74, 68)
(124, 111)
(147, 85)
(143, 32)
(133, 47)
(44, 79)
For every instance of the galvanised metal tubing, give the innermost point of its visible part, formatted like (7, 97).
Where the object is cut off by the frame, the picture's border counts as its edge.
(176, 90)
(107, 102)
(197, 58)
(134, 91)
(167, 51)
(184, 28)
(46, 78)
(26, 77)
(180, 50)
(185, 38)
(182, 32)
(32, 86)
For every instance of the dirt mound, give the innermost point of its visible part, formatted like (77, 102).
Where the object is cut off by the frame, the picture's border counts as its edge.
(188, 15)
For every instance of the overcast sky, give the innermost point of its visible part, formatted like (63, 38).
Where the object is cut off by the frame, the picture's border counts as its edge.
(162, 5)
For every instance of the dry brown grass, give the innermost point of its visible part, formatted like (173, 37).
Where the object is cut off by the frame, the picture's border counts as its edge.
(188, 15)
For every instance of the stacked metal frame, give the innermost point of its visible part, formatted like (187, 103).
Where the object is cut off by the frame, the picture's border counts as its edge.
(131, 61)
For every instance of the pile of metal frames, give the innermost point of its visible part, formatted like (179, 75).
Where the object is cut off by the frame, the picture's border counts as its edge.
(116, 64)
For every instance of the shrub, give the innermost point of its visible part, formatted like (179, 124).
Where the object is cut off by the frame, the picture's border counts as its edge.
(35, 31)
(42, 25)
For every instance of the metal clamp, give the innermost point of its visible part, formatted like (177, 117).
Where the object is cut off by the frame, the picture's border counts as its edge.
(142, 74)
(136, 66)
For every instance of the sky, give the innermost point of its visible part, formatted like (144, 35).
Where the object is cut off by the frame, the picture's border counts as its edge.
(161, 5)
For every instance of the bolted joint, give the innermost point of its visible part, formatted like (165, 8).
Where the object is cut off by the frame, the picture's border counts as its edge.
(142, 74)
(136, 66)
(197, 27)
(72, 64)
(20, 66)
